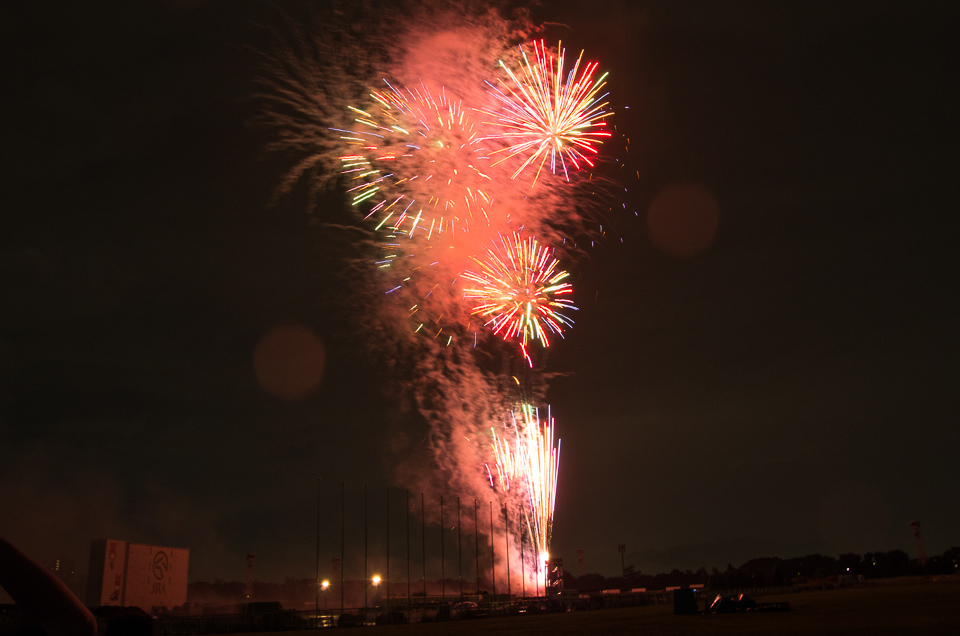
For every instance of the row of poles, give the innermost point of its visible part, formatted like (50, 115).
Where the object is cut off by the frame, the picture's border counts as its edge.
(423, 539)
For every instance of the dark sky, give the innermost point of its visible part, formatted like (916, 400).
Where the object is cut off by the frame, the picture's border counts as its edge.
(790, 389)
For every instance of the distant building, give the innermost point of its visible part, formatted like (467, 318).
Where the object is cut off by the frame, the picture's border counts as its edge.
(134, 574)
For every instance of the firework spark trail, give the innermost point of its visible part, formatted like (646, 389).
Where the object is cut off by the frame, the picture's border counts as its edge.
(525, 458)
(520, 292)
(542, 115)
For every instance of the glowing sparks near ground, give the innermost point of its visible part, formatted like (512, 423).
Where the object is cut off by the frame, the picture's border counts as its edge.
(525, 458)
(520, 292)
(544, 114)
(415, 164)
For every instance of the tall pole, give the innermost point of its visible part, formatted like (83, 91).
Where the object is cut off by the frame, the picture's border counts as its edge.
(523, 566)
(476, 542)
(536, 573)
(249, 592)
(423, 545)
(506, 547)
(342, 523)
(493, 560)
(443, 570)
(408, 548)
(316, 606)
(459, 549)
(921, 553)
(365, 547)
(387, 581)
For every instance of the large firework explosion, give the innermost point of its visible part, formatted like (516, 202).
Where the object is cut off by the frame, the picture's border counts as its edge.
(428, 118)
(544, 115)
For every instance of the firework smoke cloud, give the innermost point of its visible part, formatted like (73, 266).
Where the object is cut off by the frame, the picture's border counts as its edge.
(463, 145)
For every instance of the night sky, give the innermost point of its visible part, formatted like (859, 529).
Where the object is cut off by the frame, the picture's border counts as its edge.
(785, 387)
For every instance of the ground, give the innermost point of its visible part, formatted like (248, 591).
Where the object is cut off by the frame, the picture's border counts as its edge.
(908, 606)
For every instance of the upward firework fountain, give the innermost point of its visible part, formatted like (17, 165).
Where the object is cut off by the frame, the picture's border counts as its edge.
(525, 460)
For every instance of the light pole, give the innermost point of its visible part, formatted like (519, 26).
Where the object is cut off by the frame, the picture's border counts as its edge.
(443, 571)
(365, 543)
(506, 547)
(459, 549)
(376, 589)
(476, 542)
(622, 548)
(325, 585)
(317, 600)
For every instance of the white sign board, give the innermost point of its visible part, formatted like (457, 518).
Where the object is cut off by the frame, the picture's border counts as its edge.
(156, 576)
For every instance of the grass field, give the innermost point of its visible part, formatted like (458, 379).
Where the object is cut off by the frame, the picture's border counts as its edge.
(914, 606)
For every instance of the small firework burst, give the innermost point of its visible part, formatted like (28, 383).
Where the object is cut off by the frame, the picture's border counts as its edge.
(545, 114)
(520, 292)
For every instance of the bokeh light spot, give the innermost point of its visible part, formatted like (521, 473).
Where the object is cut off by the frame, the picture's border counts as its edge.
(289, 361)
(683, 219)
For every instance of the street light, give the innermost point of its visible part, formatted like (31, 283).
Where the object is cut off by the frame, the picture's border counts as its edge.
(325, 585)
(376, 589)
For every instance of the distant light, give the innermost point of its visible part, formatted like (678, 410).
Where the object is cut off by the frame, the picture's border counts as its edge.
(376, 579)
(325, 584)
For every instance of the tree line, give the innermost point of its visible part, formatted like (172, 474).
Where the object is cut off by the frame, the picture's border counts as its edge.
(760, 572)
(774, 571)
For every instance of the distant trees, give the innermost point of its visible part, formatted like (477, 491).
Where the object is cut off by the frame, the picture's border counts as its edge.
(774, 571)
(947, 563)
(884, 564)
(589, 582)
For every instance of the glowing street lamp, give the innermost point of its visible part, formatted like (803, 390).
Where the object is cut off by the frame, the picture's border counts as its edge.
(325, 585)
(376, 588)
